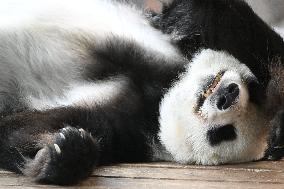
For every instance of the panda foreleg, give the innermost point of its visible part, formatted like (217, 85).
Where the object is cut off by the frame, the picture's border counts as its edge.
(275, 150)
(42, 145)
(62, 145)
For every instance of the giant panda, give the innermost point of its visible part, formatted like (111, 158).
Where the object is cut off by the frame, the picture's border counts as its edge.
(92, 82)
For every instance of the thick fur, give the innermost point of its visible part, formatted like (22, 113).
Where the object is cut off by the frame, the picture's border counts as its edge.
(91, 82)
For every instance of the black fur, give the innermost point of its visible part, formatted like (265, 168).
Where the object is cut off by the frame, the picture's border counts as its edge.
(231, 26)
(275, 149)
(216, 135)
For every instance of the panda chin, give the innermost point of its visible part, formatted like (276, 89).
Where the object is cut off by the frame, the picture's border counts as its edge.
(230, 128)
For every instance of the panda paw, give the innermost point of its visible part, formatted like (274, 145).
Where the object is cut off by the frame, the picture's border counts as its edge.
(68, 160)
(275, 150)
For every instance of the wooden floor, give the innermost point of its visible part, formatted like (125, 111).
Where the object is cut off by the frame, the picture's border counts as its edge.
(266, 175)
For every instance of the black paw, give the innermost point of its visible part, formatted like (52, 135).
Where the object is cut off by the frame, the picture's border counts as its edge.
(68, 160)
(275, 150)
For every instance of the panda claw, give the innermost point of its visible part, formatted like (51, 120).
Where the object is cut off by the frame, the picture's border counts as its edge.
(278, 147)
(82, 131)
(57, 149)
(62, 136)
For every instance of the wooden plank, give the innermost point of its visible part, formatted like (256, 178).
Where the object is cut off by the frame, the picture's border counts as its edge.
(169, 175)
(119, 183)
(154, 183)
(254, 166)
(196, 174)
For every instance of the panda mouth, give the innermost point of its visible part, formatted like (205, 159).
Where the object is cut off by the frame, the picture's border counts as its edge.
(208, 91)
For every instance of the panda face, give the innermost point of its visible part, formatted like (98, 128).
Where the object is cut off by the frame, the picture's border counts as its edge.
(208, 118)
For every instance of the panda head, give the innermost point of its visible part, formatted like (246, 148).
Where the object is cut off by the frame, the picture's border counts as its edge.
(209, 117)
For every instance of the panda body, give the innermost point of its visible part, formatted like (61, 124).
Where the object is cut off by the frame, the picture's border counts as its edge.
(93, 82)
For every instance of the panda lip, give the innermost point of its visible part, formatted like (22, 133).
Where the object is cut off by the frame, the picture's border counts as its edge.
(208, 91)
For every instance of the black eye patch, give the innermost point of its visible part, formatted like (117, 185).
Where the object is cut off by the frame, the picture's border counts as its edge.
(220, 134)
(256, 91)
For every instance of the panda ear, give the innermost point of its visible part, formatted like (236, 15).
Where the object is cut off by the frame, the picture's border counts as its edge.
(157, 5)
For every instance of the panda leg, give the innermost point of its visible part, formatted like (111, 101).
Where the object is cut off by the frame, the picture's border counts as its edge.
(43, 146)
(62, 146)
(275, 149)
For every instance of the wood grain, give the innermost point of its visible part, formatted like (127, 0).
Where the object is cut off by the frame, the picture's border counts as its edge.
(168, 175)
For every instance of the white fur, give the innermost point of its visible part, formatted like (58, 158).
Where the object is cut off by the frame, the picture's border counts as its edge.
(280, 31)
(44, 46)
(99, 18)
(82, 94)
(183, 132)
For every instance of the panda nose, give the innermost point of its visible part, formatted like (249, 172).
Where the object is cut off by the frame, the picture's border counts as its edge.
(227, 96)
